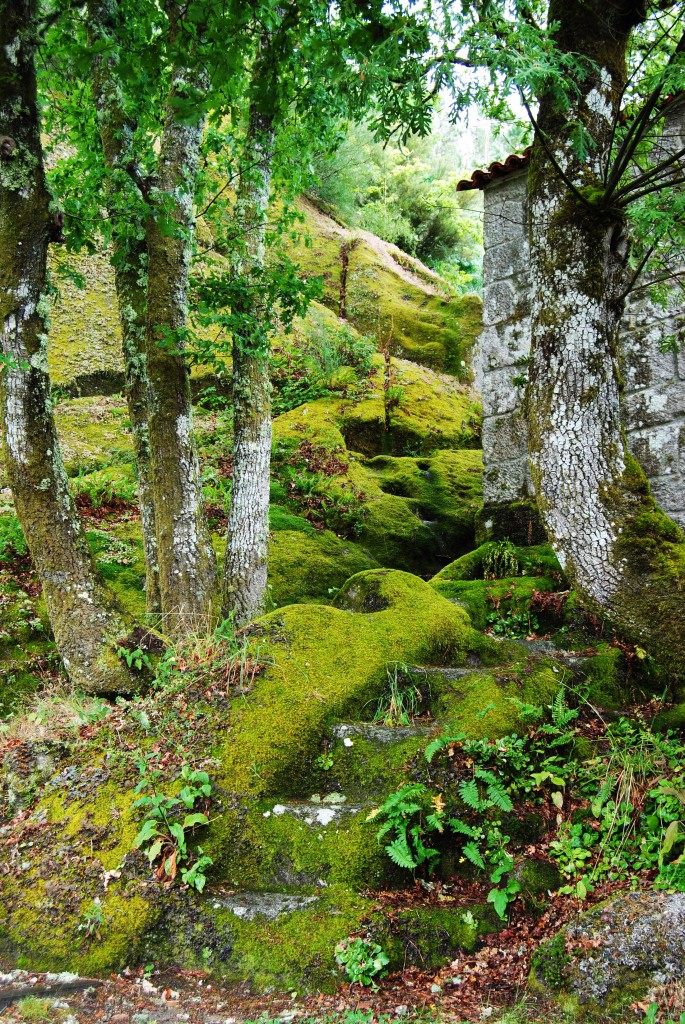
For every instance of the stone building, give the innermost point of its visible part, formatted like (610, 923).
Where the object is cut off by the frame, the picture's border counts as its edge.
(654, 396)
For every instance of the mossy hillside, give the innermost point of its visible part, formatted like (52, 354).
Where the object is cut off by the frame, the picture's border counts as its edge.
(93, 432)
(323, 663)
(328, 664)
(418, 323)
(421, 412)
(388, 294)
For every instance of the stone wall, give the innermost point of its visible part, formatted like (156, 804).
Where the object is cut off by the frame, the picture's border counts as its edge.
(654, 402)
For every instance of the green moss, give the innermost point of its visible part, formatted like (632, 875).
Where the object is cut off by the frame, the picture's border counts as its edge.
(485, 703)
(281, 519)
(329, 663)
(483, 598)
(538, 560)
(88, 312)
(604, 674)
(425, 936)
(305, 565)
(550, 962)
(648, 607)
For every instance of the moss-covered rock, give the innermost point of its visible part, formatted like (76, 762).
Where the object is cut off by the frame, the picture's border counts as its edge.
(310, 566)
(538, 560)
(322, 663)
(612, 954)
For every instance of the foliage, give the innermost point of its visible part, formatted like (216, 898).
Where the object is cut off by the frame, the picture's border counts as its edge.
(12, 541)
(408, 818)
(401, 699)
(500, 560)
(362, 959)
(162, 836)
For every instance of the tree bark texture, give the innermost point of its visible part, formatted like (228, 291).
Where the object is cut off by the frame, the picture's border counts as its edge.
(593, 497)
(129, 257)
(187, 563)
(88, 626)
(245, 566)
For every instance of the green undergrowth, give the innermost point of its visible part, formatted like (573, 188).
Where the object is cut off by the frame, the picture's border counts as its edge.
(319, 663)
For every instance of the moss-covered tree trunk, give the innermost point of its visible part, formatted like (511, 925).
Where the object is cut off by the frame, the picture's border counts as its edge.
(129, 257)
(245, 567)
(621, 553)
(87, 624)
(187, 564)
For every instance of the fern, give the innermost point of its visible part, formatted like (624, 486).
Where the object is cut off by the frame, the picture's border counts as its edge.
(468, 791)
(399, 852)
(473, 853)
(435, 746)
(462, 828)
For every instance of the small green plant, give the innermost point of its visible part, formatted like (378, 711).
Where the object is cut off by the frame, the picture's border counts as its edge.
(362, 960)
(93, 920)
(408, 817)
(136, 658)
(512, 624)
(163, 836)
(500, 560)
(400, 701)
(12, 541)
(652, 1016)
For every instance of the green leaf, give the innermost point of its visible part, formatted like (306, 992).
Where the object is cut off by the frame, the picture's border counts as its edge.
(148, 831)
(191, 820)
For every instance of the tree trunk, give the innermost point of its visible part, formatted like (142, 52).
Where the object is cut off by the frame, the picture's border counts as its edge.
(87, 624)
(130, 268)
(187, 563)
(245, 567)
(620, 552)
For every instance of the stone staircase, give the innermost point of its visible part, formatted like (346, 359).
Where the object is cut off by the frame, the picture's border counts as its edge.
(308, 858)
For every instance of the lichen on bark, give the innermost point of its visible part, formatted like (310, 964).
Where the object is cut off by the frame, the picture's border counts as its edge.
(245, 566)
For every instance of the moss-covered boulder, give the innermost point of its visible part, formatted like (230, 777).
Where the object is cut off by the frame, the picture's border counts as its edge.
(611, 955)
(307, 565)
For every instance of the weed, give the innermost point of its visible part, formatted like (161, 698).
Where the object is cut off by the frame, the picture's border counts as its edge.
(401, 700)
(162, 834)
(362, 960)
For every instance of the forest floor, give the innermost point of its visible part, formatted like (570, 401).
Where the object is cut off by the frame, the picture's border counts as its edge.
(486, 985)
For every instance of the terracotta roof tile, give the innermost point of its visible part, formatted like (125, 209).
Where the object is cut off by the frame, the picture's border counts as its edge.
(479, 179)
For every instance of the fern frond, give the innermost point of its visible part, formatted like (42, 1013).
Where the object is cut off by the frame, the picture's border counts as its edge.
(468, 791)
(473, 853)
(399, 852)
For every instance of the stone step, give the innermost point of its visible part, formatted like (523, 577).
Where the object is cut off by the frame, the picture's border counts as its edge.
(376, 733)
(249, 905)
(329, 810)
